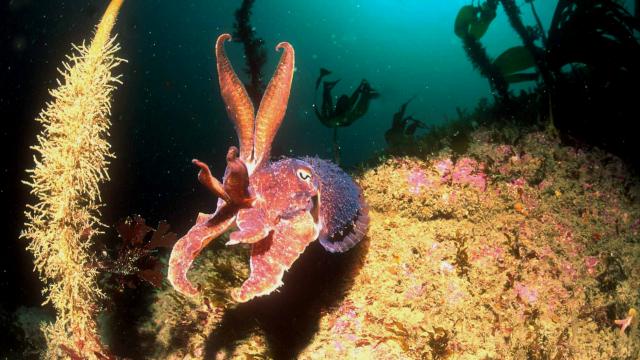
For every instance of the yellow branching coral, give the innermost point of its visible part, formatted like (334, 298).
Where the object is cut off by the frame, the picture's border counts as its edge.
(72, 156)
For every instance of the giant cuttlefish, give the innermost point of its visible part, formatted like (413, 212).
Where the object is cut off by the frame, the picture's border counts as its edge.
(278, 207)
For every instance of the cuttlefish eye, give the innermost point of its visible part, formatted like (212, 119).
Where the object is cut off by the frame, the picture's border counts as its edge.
(304, 174)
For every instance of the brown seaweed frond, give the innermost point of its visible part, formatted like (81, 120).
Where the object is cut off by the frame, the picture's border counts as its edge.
(136, 258)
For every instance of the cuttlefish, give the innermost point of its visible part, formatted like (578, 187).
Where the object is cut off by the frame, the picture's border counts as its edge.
(276, 207)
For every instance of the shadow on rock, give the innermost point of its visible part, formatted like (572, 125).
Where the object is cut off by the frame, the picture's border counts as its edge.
(289, 318)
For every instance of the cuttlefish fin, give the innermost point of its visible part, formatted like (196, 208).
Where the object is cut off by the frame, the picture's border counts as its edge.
(239, 106)
(274, 104)
(189, 246)
(275, 254)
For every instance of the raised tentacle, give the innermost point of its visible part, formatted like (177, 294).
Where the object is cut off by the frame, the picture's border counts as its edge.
(239, 106)
(210, 182)
(273, 105)
(207, 228)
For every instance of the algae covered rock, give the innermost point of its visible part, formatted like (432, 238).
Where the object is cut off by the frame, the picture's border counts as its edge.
(522, 250)
(179, 326)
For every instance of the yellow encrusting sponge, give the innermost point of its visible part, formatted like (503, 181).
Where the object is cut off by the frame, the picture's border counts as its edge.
(71, 161)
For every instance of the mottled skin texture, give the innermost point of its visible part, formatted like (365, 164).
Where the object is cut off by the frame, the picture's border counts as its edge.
(276, 206)
(280, 223)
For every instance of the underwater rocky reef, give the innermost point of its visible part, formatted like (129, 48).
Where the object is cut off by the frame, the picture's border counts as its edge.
(495, 236)
(508, 251)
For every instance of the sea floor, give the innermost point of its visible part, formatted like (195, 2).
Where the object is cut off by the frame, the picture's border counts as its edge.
(512, 250)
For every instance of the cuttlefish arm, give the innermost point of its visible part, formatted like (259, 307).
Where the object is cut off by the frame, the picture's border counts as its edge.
(273, 105)
(255, 134)
(207, 228)
(239, 106)
(252, 227)
(275, 254)
(234, 194)
(255, 131)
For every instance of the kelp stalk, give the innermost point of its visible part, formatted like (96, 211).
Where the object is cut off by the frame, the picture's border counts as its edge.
(480, 59)
(255, 54)
(71, 161)
(543, 35)
(470, 26)
(513, 13)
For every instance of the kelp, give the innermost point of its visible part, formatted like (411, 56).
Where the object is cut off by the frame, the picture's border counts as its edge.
(471, 24)
(528, 40)
(475, 21)
(255, 54)
(593, 48)
(599, 34)
(514, 60)
(585, 63)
